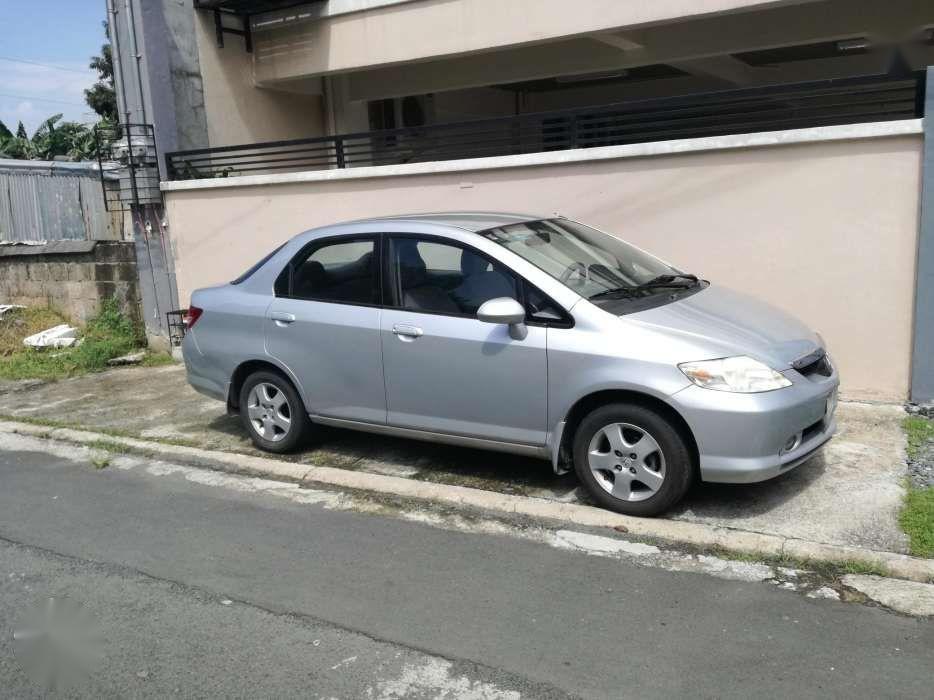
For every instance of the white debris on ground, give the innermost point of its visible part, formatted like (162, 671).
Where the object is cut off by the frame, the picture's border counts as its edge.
(61, 336)
(824, 592)
(650, 555)
(133, 358)
(8, 307)
(435, 678)
(909, 597)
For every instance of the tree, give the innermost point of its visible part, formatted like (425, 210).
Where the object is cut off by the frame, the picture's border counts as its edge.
(102, 97)
(53, 138)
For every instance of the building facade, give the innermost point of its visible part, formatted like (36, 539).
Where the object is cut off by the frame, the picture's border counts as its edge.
(777, 147)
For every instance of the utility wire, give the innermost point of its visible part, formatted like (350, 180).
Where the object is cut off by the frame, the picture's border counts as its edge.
(40, 99)
(44, 65)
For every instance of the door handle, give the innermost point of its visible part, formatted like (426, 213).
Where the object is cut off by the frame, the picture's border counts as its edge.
(406, 330)
(282, 318)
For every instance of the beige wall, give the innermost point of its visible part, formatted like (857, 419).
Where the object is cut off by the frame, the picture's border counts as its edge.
(434, 28)
(826, 230)
(237, 111)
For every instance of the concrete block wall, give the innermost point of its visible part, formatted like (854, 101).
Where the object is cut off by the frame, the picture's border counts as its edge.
(71, 277)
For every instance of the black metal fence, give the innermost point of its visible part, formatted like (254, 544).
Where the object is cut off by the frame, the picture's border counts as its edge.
(771, 108)
(175, 322)
(129, 168)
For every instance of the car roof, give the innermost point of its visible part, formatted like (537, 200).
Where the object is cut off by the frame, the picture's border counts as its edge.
(467, 220)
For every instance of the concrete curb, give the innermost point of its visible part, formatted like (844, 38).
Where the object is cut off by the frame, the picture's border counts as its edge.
(697, 534)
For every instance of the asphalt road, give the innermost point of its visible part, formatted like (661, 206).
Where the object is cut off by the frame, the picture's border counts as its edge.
(207, 590)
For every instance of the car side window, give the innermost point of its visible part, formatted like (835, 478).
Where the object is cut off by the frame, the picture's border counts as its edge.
(337, 271)
(541, 309)
(446, 279)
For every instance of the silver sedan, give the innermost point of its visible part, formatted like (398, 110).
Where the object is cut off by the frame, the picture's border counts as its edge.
(537, 336)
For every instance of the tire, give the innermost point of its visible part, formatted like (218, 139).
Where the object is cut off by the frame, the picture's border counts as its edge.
(273, 413)
(632, 475)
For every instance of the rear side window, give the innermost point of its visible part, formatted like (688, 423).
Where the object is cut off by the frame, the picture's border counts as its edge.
(339, 271)
(249, 273)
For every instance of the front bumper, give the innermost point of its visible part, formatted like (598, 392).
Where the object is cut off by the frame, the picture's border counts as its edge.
(742, 438)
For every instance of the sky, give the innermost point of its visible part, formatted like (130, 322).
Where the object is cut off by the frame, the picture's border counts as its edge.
(60, 34)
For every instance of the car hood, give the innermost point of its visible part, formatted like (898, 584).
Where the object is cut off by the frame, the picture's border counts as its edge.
(718, 322)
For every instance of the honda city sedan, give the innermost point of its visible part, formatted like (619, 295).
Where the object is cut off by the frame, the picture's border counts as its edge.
(536, 336)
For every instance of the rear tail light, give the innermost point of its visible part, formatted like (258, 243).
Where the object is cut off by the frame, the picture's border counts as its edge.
(194, 313)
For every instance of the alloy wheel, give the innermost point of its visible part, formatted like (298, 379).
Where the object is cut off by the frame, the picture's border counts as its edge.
(626, 461)
(269, 411)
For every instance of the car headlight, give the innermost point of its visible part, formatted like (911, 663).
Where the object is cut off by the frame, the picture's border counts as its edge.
(741, 374)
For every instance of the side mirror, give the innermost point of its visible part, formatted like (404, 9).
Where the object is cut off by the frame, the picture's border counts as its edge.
(506, 311)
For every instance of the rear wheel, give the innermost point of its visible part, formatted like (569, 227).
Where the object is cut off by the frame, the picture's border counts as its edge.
(273, 413)
(631, 459)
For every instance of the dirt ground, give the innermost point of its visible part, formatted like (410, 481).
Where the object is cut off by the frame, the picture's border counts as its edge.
(848, 494)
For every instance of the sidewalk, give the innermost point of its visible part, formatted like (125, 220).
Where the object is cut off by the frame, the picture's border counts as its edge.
(849, 495)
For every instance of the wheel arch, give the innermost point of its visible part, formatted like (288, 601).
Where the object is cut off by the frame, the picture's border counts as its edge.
(248, 367)
(596, 399)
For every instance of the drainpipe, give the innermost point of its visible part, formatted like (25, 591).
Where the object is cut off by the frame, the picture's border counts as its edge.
(134, 49)
(119, 82)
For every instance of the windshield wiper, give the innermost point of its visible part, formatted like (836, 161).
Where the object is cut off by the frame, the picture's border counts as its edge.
(614, 292)
(681, 279)
(678, 281)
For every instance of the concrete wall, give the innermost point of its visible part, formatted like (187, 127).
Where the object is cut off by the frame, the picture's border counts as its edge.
(237, 110)
(825, 229)
(72, 277)
(435, 28)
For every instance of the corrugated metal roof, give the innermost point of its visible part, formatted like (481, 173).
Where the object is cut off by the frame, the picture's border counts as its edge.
(54, 167)
(37, 204)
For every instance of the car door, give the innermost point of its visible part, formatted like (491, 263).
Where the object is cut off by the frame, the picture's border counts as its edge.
(324, 326)
(445, 370)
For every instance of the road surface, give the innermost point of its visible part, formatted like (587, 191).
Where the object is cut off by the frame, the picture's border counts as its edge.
(209, 588)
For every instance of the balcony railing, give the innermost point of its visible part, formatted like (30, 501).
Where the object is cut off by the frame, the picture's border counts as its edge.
(771, 108)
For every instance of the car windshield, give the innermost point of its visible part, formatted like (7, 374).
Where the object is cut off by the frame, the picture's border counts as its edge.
(592, 263)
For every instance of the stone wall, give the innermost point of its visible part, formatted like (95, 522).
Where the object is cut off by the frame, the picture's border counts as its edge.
(71, 277)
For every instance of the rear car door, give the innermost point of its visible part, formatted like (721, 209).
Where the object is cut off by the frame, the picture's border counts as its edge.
(445, 370)
(324, 326)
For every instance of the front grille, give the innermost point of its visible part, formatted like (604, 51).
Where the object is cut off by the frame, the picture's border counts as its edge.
(812, 430)
(818, 368)
(815, 364)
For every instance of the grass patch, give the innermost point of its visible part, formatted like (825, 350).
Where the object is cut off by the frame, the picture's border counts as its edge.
(157, 359)
(917, 520)
(17, 324)
(108, 446)
(824, 569)
(919, 431)
(917, 514)
(112, 432)
(108, 335)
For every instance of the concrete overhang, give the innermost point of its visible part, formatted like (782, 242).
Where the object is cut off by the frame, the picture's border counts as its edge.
(412, 32)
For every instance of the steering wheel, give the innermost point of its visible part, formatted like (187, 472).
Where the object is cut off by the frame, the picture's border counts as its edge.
(577, 267)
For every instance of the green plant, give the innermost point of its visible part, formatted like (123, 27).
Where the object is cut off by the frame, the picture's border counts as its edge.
(919, 431)
(108, 335)
(917, 520)
(53, 138)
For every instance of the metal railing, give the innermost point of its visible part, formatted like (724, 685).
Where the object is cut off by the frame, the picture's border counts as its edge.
(770, 108)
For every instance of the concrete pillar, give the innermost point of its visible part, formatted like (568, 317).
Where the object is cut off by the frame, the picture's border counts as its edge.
(922, 367)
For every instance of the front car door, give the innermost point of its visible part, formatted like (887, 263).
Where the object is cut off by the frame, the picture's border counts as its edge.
(324, 326)
(446, 371)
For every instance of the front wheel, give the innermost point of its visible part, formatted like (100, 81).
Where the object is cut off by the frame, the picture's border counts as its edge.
(631, 459)
(273, 413)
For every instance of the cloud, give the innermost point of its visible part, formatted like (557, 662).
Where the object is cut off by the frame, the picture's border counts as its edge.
(31, 93)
